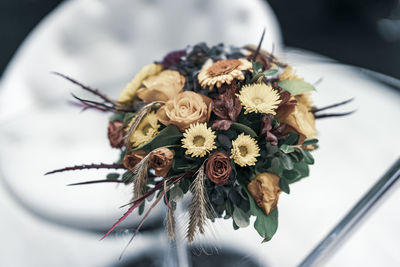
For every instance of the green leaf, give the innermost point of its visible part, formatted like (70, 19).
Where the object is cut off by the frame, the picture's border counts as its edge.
(235, 227)
(243, 128)
(141, 208)
(286, 149)
(292, 139)
(170, 135)
(308, 158)
(296, 87)
(301, 169)
(241, 218)
(117, 117)
(283, 184)
(184, 184)
(257, 67)
(224, 141)
(266, 225)
(113, 175)
(229, 207)
(291, 175)
(286, 161)
(175, 194)
(310, 141)
(270, 72)
(275, 163)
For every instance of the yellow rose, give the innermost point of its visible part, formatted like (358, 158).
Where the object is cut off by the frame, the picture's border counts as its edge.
(184, 109)
(265, 191)
(161, 87)
(301, 121)
(129, 92)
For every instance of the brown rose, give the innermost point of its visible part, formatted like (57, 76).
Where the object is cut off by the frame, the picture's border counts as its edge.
(161, 161)
(133, 158)
(301, 121)
(162, 87)
(116, 134)
(218, 168)
(265, 191)
(184, 109)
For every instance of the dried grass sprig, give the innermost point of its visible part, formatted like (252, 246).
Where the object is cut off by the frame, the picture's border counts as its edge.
(199, 207)
(170, 220)
(97, 182)
(89, 89)
(89, 166)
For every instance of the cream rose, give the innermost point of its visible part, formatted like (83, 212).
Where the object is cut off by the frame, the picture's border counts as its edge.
(162, 87)
(184, 109)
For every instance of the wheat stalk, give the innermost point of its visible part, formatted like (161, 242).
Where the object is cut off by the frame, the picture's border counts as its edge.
(140, 115)
(140, 178)
(199, 206)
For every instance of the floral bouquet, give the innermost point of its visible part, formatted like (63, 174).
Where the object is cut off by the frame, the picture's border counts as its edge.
(232, 127)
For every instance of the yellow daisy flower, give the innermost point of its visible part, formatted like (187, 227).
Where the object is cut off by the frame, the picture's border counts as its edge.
(198, 140)
(259, 98)
(222, 71)
(146, 130)
(244, 150)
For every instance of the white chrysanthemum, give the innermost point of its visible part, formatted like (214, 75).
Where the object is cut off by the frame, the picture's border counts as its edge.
(259, 98)
(198, 140)
(244, 150)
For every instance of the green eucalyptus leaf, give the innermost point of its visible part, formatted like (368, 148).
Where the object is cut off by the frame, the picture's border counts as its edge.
(308, 158)
(224, 140)
(117, 117)
(265, 225)
(286, 149)
(175, 194)
(292, 139)
(275, 164)
(170, 135)
(291, 175)
(113, 175)
(184, 184)
(270, 72)
(284, 185)
(141, 208)
(235, 227)
(257, 67)
(229, 207)
(243, 128)
(286, 161)
(296, 87)
(241, 218)
(310, 141)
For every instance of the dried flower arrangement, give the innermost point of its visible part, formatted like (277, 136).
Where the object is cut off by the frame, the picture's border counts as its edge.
(234, 126)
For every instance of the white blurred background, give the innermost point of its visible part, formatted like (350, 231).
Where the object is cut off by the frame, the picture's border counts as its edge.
(103, 44)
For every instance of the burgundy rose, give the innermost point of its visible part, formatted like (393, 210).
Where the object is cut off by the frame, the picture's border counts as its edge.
(116, 134)
(161, 161)
(218, 168)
